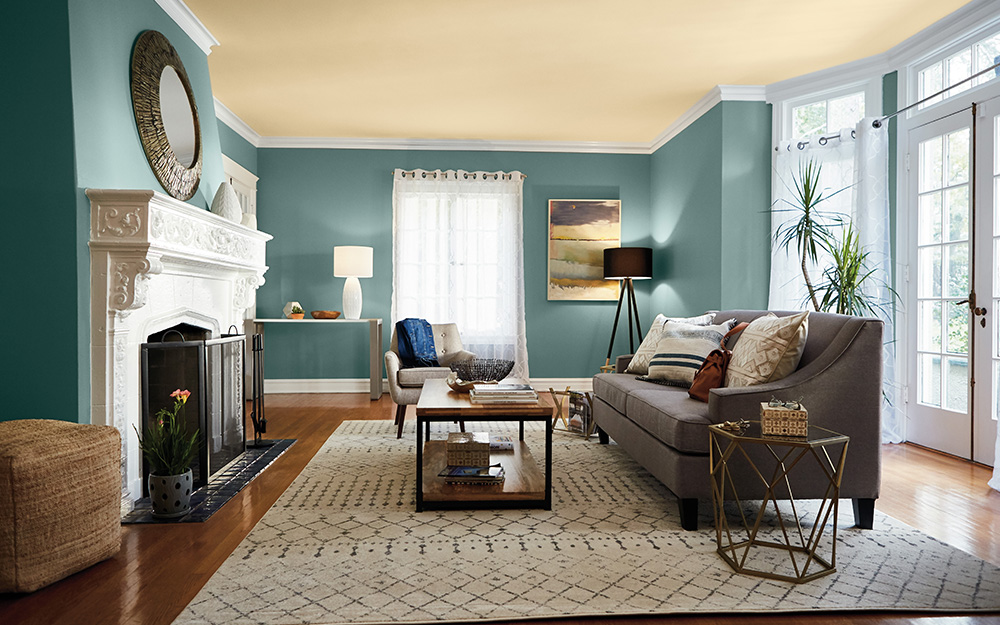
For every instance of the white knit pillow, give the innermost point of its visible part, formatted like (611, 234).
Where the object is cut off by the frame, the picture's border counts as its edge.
(640, 361)
(769, 349)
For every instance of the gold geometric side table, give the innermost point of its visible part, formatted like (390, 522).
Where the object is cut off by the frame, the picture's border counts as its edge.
(736, 544)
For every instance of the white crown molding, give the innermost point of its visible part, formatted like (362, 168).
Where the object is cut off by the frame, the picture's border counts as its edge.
(831, 78)
(363, 385)
(240, 127)
(976, 16)
(190, 24)
(465, 145)
(719, 93)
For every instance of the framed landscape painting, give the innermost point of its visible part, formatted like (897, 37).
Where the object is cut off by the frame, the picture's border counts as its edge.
(579, 232)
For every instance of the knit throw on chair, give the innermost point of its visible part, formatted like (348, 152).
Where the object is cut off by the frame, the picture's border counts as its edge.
(415, 342)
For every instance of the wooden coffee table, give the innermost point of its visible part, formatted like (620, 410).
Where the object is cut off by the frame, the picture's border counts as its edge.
(524, 487)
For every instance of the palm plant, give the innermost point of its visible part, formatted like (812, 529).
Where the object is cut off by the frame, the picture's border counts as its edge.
(844, 289)
(809, 230)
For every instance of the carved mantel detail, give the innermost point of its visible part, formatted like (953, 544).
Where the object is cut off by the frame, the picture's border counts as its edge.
(157, 262)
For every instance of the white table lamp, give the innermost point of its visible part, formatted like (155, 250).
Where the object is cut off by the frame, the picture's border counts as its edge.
(352, 262)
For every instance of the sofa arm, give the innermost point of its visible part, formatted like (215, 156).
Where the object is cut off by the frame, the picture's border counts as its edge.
(622, 363)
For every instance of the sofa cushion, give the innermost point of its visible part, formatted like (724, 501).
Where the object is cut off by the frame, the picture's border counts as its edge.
(768, 350)
(614, 388)
(416, 376)
(640, 361)
(671, 416)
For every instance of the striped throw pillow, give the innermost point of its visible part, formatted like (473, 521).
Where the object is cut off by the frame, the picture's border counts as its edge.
(640, 361)
(682, 349)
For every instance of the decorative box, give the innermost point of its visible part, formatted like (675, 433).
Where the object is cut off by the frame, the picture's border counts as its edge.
(783, 421)
(468, 449)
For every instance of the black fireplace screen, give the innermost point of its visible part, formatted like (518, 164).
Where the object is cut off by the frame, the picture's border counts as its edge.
(213, 371)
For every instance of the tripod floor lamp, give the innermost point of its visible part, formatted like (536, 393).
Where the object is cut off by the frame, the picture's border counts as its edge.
(627, 264)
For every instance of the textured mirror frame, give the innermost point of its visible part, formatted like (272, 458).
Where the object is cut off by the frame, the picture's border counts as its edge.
(152, 53)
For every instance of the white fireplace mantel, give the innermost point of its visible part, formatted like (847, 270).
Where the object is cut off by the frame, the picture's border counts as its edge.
(156, 262)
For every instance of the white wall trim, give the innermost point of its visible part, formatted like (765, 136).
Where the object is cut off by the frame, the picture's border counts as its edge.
(719, 93)
(362, 385)
(976, 16)
(190, 24)
(240, 127)
(584, 147)
(829, 79)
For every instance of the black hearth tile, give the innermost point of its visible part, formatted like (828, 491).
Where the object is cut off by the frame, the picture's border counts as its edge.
(210, 498)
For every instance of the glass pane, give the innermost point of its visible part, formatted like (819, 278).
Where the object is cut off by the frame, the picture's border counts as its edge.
(930, 82)
(958, 328)
(996, 385)
(987, 53)
(929, 338)
(996, 206)
(929, 219)
(957, 270)
(929, 380)
(930, 164)
(996, 271)
(957, 384)
(929, 261)
(846, 112)
(958, 157)
(957, 206)
(809, 119)
(959, 68)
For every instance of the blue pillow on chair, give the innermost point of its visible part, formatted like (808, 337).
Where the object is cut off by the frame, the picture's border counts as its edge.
(415, 343)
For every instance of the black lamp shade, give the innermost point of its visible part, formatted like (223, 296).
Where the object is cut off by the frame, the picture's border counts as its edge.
(628, 262)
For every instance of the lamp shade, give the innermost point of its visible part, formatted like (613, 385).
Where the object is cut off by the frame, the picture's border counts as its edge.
(352, 261)
(628, 262)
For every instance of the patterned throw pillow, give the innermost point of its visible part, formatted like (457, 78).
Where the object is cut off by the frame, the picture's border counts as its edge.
(640, 361)
(768, 350)
(683, 348)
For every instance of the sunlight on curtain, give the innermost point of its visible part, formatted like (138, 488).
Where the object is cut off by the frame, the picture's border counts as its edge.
(861, 167)
(457, 257)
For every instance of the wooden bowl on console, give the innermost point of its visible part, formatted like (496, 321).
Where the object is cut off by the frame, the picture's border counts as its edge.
(325, 314)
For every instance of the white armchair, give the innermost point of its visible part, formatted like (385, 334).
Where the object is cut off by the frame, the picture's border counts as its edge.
(405, 384)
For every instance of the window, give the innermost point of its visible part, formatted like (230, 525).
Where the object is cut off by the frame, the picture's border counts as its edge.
(828, 116)
(458, 257)
(957, 67)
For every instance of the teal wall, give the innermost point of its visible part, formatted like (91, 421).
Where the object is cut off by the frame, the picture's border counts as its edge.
(313, 199)
(711, 191)
(41, 369)
(237, 148)
(72, 128)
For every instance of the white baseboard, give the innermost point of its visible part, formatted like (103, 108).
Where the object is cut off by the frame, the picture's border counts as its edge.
(362, 385)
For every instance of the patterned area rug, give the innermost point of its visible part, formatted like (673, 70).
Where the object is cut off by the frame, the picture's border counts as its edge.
(343, 545)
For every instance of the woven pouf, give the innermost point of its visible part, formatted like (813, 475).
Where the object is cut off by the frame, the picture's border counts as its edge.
(60, 494)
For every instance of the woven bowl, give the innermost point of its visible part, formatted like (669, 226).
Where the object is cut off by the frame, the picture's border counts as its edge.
(482, 369)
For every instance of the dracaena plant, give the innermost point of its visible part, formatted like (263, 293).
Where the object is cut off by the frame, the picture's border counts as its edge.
(167, 445)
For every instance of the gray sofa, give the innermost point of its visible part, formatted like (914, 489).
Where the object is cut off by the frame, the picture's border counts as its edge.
(839, 381)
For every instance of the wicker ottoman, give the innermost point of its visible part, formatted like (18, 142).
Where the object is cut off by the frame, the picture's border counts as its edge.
(60, 493)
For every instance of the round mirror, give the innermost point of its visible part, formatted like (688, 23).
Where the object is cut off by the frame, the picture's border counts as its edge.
(178, 122)
(166, 115)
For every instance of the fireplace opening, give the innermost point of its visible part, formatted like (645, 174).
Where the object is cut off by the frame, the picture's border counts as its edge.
(184, 357)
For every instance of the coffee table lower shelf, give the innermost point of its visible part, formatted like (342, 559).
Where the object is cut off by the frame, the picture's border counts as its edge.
(523, 486)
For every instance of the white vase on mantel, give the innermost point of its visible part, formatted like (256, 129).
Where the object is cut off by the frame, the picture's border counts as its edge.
(226, 204)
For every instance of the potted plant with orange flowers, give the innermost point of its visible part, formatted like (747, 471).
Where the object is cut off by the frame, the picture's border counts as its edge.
(169, 449)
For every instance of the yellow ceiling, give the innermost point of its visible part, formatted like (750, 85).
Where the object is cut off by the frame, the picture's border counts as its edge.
(523, 70)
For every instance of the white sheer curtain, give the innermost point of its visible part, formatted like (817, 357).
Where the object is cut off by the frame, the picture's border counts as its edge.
(457, 256)
(862, 164)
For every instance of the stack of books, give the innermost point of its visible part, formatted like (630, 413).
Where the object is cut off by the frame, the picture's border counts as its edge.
(503, 394)
(473, 475)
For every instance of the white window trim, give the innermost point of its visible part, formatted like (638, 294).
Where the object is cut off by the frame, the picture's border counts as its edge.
(782, 109)
(244, 183)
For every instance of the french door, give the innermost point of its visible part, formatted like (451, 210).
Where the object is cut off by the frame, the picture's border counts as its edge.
(954, 285)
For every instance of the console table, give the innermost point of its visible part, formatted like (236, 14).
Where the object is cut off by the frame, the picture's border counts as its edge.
(374, 343)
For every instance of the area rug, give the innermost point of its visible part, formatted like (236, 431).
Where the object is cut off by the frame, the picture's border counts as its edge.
(344, 545)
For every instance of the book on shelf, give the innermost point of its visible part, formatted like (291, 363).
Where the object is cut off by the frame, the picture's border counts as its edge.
(501, 442)
(473, 475)
(487, 401)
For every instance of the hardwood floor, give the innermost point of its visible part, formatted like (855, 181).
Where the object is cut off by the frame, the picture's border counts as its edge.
(162, 567)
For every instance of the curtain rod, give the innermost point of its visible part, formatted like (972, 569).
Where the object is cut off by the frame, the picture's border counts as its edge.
(822, 141)
(878, 122)
(413, 172)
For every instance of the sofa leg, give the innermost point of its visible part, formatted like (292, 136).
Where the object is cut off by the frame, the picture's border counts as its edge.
(400, 417)
(602, 436)
(864, 513)
(689, 513)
